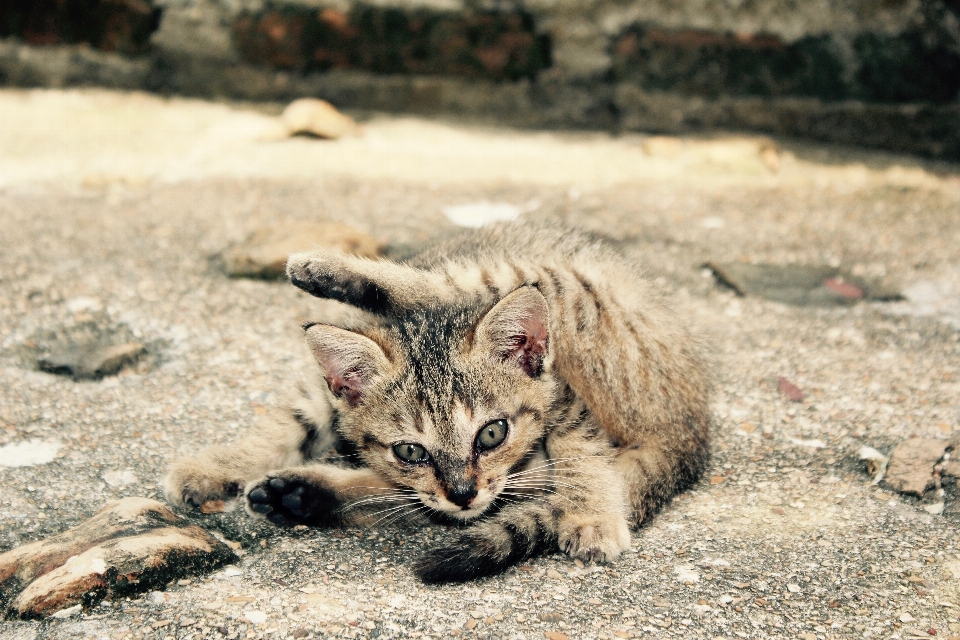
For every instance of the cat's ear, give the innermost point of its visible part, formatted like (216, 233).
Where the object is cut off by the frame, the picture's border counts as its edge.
(378, 286)
(516, 330)
(350, 362)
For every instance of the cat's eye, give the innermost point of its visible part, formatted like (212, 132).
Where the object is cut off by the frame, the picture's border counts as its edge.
(410, 452)
(492, 434)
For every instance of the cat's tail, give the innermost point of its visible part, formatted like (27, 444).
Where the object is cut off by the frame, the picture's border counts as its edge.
(489, 548)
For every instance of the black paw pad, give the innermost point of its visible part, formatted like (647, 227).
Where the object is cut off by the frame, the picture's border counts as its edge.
(289, 502)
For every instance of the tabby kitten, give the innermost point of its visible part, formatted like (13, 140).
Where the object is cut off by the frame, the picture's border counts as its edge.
(523, 373)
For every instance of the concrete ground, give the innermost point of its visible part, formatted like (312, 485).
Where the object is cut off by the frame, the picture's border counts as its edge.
(111, 206)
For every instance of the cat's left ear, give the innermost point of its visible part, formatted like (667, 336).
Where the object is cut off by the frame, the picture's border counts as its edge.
(516, 330)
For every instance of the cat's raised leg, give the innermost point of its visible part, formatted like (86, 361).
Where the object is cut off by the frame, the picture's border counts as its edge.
(323, 495)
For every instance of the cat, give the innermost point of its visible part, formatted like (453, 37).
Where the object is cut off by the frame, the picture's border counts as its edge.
(523, 376)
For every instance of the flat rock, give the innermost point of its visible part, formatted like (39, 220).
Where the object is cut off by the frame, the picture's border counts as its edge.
(131, 545)
(264, 254)
(910, 469)
(91, 361)
(317, 118)
(802, 285)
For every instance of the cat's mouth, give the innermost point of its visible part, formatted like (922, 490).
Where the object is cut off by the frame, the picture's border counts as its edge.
(475, 508)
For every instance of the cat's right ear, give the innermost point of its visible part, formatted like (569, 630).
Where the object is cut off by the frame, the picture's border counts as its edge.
(350, 362)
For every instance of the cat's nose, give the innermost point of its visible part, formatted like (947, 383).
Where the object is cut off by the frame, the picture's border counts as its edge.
(462, 494)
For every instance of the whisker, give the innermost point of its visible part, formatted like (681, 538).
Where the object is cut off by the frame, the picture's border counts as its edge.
(402, 514)
(379, 500)
(542, 485)
(388, 512)
(548, 491)
(550, 465)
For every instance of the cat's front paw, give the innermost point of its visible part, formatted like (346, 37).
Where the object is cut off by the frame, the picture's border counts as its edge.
(289, 500)
(593, 538)
(191, 484)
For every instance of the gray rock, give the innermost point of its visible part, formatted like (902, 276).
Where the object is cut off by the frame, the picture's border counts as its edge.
(814, 285)
(91, 361)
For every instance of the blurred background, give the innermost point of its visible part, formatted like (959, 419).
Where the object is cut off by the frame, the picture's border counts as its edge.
(878, 73)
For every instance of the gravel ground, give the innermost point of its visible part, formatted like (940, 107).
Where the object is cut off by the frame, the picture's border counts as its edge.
(113, 204)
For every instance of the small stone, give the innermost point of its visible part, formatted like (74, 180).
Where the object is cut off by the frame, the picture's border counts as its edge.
(256, 617)
(718, 479)
(906, 617)
(554, 635)
(876, 462)
(29, 453)
(748, 427)
(69, 612)
(667, 147)
(792, 391)
(578, 563)
(793, 588)
(91, 361)
(264, 254)
(369, 625)
(471, 624)
(843, 288)
(910, 469)
(318, 118)
(725, 599)
(553, 574)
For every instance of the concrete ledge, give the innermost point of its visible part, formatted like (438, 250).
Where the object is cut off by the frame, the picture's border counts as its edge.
(547, 102)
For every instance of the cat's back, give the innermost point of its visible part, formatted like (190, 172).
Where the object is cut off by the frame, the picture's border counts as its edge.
(536, 241)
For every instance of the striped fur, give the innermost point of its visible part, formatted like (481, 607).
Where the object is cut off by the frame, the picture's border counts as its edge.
(603, 393)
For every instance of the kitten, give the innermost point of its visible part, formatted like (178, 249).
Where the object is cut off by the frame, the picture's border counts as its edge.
(524, 373)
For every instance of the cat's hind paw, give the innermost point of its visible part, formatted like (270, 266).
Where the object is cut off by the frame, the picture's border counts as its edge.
(594, 539)
(289, 501)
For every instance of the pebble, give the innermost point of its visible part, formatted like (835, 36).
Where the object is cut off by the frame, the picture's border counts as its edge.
(29, 453)
(317, 117)
(256, 617)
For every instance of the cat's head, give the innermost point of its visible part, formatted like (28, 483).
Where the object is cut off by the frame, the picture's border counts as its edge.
(446, 402)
